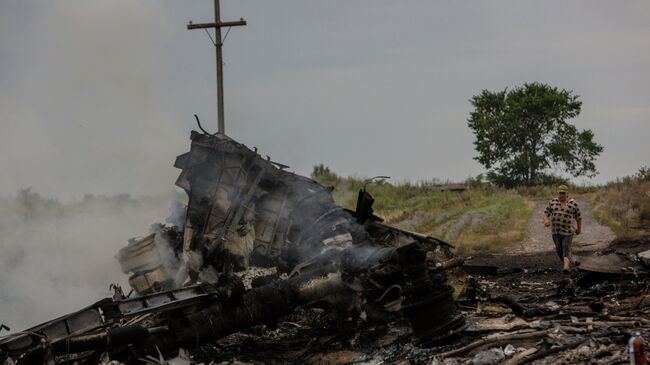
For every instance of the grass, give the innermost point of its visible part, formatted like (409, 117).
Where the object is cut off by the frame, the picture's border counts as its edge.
(624, 205)
(481, 219)
(488, 219)
(547, 191)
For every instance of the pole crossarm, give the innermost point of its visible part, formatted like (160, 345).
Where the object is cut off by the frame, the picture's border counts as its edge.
(215, 25)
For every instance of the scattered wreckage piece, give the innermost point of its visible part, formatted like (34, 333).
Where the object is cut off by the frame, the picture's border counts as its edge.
(498, 339)
(34, 340)
(613, 263)
(153, 260)
(612, 267)
(570, 319)
(645, 257)
(553, 345)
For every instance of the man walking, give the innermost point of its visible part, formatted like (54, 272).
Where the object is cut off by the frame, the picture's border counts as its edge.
(560, 214)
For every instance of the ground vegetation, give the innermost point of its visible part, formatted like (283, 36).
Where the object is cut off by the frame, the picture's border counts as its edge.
(624, 204)
(480, 218)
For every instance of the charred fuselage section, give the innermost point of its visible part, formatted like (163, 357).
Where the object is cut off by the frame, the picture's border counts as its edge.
(245, 210)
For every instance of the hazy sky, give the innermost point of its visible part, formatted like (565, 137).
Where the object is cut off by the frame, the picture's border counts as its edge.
(98, 96)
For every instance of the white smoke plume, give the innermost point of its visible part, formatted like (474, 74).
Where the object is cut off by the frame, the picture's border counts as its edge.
(56, 258)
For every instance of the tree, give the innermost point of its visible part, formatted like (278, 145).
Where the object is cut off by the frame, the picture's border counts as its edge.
(523, 133)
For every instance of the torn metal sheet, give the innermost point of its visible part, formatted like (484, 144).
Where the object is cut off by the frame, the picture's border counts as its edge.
(159, 302)
(26, 342)
(504, 323)
(612, 263)
(645, 257)
(153, 261)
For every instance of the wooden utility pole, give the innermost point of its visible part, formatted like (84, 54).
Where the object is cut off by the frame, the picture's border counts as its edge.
(217, 25)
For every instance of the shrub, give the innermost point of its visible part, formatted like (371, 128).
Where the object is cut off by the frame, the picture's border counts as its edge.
(643, 174)
(324, 175)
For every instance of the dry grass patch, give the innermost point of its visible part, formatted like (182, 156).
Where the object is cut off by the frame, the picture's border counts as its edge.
(624, 206)
(481, 219)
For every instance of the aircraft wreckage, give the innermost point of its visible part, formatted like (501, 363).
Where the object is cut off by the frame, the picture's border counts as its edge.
(245, 210)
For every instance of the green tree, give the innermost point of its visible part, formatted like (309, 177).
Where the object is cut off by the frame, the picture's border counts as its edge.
(523, 133)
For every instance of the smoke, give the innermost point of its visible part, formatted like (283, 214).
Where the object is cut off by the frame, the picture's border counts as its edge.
(170, 255)
(56, 258)
(83, 108)
(176, 216)
(82, 99)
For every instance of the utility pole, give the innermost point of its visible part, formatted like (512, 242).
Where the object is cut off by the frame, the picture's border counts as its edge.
(217, 25)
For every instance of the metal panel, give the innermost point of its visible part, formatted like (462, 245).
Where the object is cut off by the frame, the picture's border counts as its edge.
(159, 302)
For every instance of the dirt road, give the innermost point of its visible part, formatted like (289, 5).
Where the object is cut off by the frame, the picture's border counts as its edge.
(594, 236)
(537, 250)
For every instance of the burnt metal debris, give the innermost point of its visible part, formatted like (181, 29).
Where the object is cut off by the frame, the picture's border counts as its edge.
(245, 210)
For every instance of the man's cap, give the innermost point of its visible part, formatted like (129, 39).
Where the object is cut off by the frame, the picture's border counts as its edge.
(562, 189)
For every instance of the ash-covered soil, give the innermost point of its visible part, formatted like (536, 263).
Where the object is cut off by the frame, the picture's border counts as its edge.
(548, 260)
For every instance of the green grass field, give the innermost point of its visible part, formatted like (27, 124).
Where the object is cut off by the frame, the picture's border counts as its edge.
(475, 220)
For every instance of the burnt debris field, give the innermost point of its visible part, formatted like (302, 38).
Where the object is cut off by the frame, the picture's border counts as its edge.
(518, 312)
(263, 267)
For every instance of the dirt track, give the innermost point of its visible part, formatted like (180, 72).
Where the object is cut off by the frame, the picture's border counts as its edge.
(537, 250)
(594, 235)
